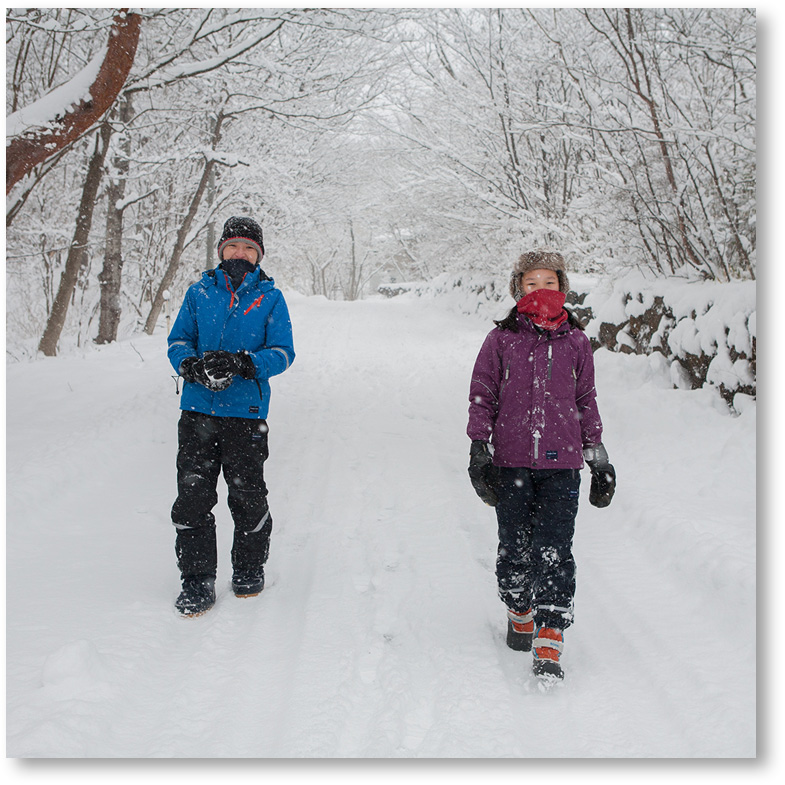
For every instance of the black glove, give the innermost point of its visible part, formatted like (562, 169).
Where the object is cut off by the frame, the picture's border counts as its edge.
(220, 364)
(603, 475)
(192, 370)
(482, 472)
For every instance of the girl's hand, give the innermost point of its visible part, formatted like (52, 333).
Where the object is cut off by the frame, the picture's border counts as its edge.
(603, 475)
(482, 472)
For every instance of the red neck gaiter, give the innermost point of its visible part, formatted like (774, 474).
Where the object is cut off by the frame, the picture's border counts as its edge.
(545, 307)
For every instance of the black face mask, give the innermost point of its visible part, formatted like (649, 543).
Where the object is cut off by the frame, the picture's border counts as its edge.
(236, 269)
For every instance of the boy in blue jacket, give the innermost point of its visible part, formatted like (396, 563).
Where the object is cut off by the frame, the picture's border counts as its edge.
(231, 335)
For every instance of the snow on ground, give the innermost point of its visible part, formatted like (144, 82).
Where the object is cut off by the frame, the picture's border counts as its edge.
(380, 633)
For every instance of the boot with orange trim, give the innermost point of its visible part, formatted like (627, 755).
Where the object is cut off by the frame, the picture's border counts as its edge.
(548, 646)
(520, 630)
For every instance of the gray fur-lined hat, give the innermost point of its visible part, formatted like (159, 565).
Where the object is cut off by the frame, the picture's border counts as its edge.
(539, 260)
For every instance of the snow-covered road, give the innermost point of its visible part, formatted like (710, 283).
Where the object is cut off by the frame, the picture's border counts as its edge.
(380, 633)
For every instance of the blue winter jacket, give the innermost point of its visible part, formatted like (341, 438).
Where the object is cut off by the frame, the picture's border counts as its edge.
(255, 319)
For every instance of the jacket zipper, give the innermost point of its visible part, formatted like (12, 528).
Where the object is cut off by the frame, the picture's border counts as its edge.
(537, 434)
(231, 291)
(550, 357)
(488, 389)
(255, 303)
(505, 379)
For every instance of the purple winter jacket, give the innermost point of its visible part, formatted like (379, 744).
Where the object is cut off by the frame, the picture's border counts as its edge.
(532, 395)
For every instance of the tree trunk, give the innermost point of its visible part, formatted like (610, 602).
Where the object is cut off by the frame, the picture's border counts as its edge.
(77, 253)
(647, 96)
(32, 148)
(182, 233)
(110, 278)
(351, 289)
(210, 243)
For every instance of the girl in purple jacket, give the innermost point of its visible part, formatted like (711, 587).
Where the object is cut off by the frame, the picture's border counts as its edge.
(532, 397)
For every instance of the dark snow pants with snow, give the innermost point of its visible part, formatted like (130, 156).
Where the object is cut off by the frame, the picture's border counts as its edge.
(208, 445)
(535, 568)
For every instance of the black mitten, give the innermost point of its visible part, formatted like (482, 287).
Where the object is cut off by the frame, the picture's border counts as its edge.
(482, 472)
(192, 370)
(603, 475)
(220, 364)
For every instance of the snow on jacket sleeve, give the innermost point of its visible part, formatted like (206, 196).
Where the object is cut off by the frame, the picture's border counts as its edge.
(484, 390)
(278, 353)
(183, 336)
(586, 396)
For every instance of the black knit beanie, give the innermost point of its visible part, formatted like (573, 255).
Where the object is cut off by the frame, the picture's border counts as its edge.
(245, 229)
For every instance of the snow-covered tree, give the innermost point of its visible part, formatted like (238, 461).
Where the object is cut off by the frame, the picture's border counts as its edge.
(403, 142)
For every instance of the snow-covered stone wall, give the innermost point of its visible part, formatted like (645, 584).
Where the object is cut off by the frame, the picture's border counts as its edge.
(706, 330)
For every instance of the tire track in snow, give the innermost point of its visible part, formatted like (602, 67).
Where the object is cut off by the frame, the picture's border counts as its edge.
(394, 517)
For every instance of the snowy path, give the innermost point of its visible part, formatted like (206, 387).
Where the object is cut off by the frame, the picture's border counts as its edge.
(380, 634)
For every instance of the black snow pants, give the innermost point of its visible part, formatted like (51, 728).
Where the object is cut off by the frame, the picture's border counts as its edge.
(535, 568)
(208, 445)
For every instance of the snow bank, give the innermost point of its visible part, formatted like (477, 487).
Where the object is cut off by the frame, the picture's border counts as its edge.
(464, 292)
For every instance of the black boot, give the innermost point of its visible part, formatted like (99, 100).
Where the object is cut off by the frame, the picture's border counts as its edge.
(247, 583)
(520, 630)
(547, 670)
(197, 596)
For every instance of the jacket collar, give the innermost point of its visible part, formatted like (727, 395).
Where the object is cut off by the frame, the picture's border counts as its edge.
(257, 277)
(527, 324)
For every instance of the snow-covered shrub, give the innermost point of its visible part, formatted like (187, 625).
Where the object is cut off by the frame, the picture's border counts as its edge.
(465, 292)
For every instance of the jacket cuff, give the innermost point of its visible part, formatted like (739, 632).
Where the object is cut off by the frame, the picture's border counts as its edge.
(247, 365)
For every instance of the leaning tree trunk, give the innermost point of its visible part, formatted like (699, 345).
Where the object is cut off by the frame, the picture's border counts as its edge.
(77, 253)
(182, 233)
(110, 277)
(34, 147)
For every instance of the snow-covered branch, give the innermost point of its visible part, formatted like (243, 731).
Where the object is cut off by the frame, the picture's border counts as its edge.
(49, 124)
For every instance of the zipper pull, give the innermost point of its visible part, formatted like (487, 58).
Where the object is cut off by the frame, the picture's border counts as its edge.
(257, 301)
(537, 444)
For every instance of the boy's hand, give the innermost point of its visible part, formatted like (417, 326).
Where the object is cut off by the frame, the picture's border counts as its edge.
(192, 370)
(220, 363)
